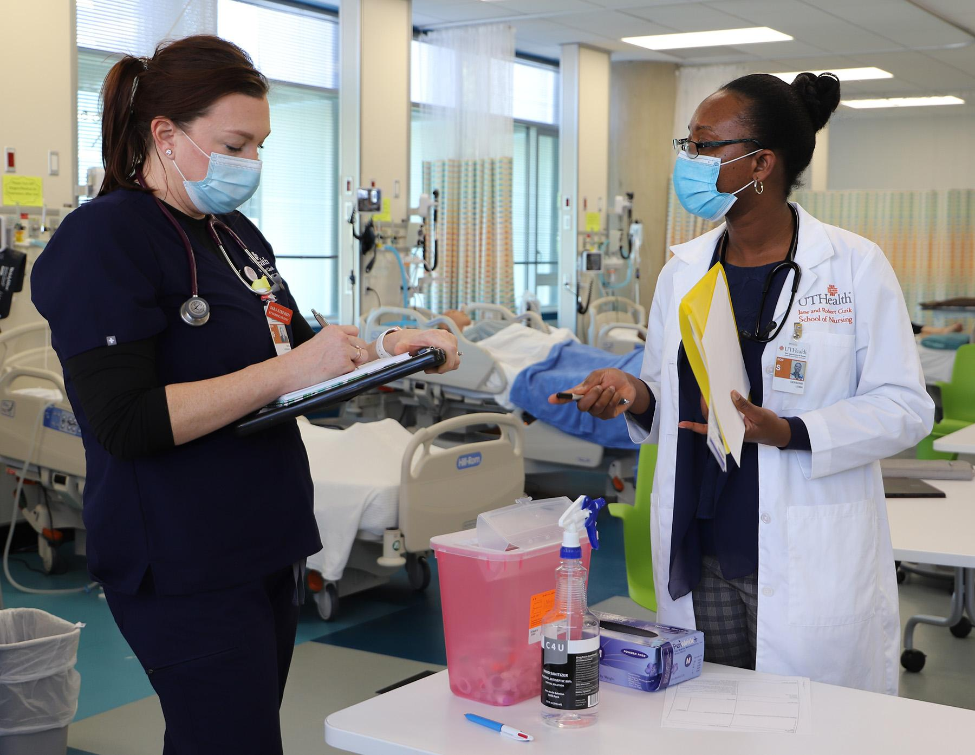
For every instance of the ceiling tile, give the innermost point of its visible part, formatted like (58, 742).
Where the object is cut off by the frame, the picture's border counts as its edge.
(962, 58)
(420, 20)
(922, 70)
(688, 17)
(904, 24)
(612, 25)
(516, 7)
(805, 23)
(469, 11)
(626, 4)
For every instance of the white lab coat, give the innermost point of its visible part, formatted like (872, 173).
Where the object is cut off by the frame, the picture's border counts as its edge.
(827, 605)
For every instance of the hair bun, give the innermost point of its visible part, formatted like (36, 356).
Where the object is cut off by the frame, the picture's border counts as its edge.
(820, 94)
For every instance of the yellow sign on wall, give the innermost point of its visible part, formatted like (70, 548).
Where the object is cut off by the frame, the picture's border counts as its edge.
(385, 216)
(594, 222)
(27, 191)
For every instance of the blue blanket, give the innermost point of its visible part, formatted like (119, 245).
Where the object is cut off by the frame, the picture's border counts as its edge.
(567, 365)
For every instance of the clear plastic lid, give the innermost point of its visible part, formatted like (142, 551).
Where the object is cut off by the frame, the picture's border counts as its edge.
(525, 524)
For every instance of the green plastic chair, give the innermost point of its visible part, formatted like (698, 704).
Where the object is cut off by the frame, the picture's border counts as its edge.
(957, 404)
(636, 532)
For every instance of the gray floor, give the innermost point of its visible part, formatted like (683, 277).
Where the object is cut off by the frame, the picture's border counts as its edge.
(325, 679)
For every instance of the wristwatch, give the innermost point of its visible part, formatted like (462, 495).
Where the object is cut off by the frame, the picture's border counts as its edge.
(380, 350)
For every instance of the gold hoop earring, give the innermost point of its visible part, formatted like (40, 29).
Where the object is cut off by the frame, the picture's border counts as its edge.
(759, 187)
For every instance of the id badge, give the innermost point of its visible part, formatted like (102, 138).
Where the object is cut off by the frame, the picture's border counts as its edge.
(791, 365)
(278, 320)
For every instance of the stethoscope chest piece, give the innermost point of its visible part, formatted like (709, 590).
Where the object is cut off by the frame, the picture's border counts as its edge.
(195, 311)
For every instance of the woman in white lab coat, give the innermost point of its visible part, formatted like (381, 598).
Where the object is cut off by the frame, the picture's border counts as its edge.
(805, 511)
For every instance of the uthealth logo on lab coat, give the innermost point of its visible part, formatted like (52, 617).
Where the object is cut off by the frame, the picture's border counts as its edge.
(832, 296)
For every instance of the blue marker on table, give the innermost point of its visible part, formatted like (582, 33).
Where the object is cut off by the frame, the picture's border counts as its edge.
(506, 731)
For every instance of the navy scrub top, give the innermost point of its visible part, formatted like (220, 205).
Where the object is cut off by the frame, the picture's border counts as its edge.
(218, 511)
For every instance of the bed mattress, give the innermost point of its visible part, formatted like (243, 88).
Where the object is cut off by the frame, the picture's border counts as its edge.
(356, 475)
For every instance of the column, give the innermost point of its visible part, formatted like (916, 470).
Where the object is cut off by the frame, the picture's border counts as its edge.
(374, 122)
(583, 159)
(640, 154)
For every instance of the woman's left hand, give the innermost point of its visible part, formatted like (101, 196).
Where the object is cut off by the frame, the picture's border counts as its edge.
(761, 425)
(413, 339)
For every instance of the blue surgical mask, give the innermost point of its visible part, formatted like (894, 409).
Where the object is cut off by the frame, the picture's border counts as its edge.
(230, 181)
(696, 185)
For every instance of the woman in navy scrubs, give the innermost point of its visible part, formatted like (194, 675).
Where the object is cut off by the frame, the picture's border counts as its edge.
(198, 536)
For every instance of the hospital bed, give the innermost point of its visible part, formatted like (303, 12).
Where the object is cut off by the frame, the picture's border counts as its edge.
(437, 485)
(40, 439)
(616, 324)
(381, 494)
(483, 383)
(486, 311)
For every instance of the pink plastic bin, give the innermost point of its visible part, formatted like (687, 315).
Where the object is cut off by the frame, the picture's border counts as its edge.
(491, 599)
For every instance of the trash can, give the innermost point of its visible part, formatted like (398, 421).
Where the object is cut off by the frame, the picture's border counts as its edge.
(38, 681)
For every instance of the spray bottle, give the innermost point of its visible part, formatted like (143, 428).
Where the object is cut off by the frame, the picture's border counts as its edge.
(570, 632)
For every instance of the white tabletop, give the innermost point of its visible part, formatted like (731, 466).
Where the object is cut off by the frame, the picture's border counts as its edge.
(425, 718)
(960, 442)
(935, 530)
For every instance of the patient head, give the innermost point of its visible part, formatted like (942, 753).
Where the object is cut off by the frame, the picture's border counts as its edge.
(461, 319)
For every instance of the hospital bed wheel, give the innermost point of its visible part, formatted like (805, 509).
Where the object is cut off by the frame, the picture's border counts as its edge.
(912, 660)
(327, 602)
(963, 628)
(418, 570)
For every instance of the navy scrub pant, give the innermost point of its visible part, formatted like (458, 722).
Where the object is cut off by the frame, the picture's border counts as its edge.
(218, 661)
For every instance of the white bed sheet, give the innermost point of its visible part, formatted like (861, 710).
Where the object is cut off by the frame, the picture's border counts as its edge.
(516, 348)
(356, 476)
(936, 364)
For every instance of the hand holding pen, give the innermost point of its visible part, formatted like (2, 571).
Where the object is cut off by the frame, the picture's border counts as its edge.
(606, 394)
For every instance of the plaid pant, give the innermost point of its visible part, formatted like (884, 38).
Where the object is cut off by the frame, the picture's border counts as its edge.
(727, 612)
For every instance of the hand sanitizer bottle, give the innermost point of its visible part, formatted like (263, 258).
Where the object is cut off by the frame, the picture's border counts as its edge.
(570, 632)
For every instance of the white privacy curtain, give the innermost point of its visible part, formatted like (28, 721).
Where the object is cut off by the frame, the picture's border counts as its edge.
(463, 80)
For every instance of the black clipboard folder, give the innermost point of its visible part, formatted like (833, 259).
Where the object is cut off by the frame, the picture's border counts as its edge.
(270, 416)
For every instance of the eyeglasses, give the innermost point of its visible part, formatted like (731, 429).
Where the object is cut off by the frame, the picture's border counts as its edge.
(693, 148)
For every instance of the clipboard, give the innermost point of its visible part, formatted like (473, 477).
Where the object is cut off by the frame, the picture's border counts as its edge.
(271, 416)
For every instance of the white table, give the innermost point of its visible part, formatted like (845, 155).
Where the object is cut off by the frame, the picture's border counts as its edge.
(938, 531)
(425, 718)
(959, 442)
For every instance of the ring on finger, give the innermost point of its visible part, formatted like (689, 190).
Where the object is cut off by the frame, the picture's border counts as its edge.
(358, 353)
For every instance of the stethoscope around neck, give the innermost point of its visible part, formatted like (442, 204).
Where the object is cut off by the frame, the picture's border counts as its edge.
(766, 334)
(195, 311)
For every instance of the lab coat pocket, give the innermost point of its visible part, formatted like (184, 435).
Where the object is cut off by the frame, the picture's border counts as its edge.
(832, 563)
(830, 374)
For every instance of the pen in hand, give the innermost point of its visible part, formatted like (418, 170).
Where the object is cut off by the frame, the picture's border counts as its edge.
(576, 396)
(321, 320)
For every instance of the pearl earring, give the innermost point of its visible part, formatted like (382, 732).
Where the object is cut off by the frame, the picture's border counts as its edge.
(169, 153)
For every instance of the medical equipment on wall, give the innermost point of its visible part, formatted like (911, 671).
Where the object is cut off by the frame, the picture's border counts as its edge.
(609, 254)
(399, 258)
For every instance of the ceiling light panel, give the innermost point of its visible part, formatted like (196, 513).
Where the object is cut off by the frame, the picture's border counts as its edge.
(843, 74)
(717, 38)
(903, 102)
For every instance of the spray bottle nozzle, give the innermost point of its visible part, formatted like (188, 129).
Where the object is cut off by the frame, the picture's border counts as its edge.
(581, 515)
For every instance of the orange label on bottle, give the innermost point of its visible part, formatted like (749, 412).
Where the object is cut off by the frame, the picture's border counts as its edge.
(541, 604)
